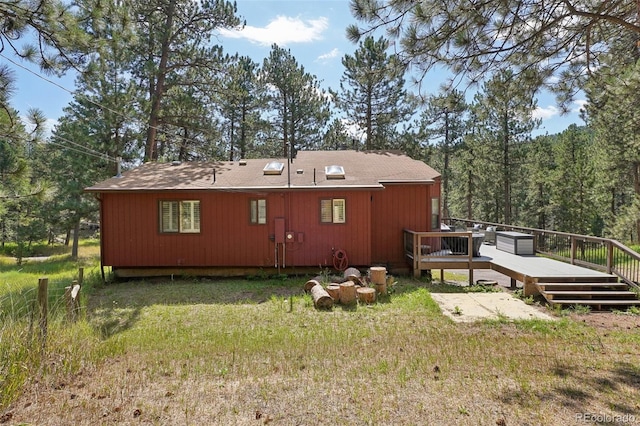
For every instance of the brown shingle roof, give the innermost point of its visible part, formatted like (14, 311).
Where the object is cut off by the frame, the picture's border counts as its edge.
(363, 169)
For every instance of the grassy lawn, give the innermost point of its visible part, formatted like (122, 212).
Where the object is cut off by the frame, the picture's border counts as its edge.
(229, 352)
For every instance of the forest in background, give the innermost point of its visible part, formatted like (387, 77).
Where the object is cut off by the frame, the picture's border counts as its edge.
(153, 86)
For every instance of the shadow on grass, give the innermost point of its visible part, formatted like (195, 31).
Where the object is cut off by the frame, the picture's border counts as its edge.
(580, 389)
(115, 307)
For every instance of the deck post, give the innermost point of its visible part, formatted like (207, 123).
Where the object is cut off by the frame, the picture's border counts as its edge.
(416, 256)
(470, 259)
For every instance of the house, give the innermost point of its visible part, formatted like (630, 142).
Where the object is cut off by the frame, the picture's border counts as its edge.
(324, 209)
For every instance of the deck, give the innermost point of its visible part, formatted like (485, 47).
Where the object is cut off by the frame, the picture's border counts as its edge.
(531, 270)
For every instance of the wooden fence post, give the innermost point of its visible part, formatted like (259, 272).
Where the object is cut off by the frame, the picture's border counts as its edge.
(43, 308)
(80, 276)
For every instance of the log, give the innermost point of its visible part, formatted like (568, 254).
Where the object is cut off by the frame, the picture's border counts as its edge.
(352, 274)
(347, 293)
(378, 274)
(381, 288)
(334, 291)
(321, 299)
(366, 295)
(310, 284)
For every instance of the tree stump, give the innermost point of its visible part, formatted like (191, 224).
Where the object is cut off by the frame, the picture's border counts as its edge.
(379, 278)
(378, 274)
(352, 274)
(321, 299)
(334, 291)
(310, 284)
(381, 288)
(366, 295)
(347, 293)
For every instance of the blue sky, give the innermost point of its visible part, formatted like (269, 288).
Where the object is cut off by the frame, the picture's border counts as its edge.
(314, 31)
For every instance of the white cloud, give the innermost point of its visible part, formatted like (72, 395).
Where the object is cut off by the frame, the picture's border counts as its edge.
(283, 30)
(579, 104)
(353, 130)
(546, 112)
(330, 55)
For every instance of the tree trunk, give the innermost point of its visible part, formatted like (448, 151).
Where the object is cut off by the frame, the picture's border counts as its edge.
(636, 187)
(76, 237)
(506, 172)
(366, 295)
(157, 92)
(347, 293)
(321, 299)
(334, 291)
(311, 284)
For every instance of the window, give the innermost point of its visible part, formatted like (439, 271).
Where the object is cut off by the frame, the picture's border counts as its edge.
(258, 209)
(332, 210)
(435, 213)
(180, 216)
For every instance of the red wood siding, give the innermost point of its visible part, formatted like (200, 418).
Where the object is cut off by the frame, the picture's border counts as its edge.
(395, 208)
(131, 237)
(302, 211)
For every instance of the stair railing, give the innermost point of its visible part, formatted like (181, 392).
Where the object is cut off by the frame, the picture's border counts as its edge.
(603, 254)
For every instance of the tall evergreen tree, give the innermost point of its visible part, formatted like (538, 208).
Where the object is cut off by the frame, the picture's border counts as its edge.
(372, 91)
(503, 109)
(337, 137)
(240, 103)
(612, 112)
(21, 189)
(442, 123)
(300, 106)
(572, 182)
(174, 36)
(561, 38)
(539, 168)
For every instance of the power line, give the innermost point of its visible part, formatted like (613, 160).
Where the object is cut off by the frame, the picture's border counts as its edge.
(86, 150)
(71, 92)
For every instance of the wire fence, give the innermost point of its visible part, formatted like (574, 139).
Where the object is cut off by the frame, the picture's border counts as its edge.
(26, 315)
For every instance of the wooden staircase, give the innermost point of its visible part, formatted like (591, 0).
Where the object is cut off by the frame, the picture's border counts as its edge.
(602, 294)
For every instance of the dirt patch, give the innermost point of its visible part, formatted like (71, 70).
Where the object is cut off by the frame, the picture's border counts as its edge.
(609, 320)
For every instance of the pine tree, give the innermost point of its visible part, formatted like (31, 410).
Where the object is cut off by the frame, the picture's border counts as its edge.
(372, 93)
(564, 39)
(442, 123)
(175, 37)
(240, 103)
(503, 109)
(299, 105)
(613, 117)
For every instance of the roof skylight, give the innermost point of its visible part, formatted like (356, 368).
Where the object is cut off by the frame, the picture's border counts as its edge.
(273, 168)
(334, 172)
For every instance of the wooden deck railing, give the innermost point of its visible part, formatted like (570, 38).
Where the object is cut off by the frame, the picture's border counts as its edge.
(427, 251)
(597, 253)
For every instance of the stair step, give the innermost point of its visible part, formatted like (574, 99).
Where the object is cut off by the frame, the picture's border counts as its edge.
(580, 285)
(595, 302)
(586, 279)
(554, 294)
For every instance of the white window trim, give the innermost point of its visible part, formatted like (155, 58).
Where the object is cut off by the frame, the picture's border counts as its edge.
(258, 211)
(338, 210)
(188, 216)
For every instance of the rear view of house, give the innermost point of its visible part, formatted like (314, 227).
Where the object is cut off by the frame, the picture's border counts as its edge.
(323, 209)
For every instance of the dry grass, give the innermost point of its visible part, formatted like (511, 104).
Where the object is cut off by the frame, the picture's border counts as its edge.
(231, 352)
